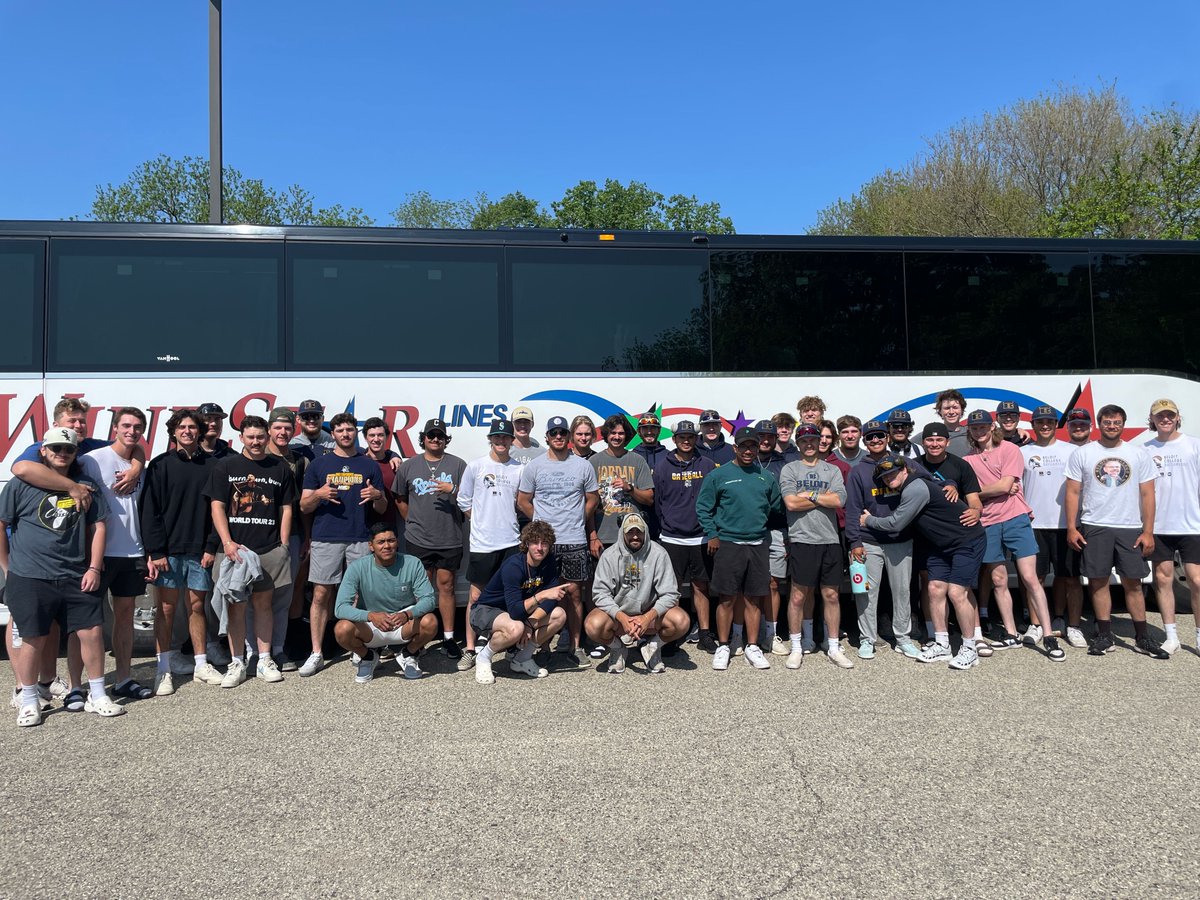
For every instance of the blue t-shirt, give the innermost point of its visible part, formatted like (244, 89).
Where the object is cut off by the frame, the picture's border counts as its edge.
(345, 522)
(515, 583)
(33, 453)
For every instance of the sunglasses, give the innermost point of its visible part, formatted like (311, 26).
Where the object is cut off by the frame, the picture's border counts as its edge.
(557, 432)
(68, 449)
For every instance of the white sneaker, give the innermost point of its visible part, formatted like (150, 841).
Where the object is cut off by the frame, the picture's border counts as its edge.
(838, 657)
(755, 657)
(795, 659)
(967, 658)
(527, 667)
(235, 674)
(58, 688)
(780, 647)
(1171, 644)
(208, 674)
(616, 658)
(312, 665)
(652, 656)
(737, 646)
(483, 671)
(935, 652)
(1032, 635)
(164, 684)
(267, 670)
(1076, 639)
(721, 658)
(44, 695)
(365, 669)
(103, 706)
(4, 615)
(409, 665)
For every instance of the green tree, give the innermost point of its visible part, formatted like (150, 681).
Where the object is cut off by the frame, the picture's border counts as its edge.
(513, 210)
(421, 210)
(165, 189)
(635, 207)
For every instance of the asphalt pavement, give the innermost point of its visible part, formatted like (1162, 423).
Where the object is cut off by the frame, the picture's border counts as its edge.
(1022, 777)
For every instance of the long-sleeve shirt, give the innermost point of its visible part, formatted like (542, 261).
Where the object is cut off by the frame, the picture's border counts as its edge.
(924, 506)
(516, 582)
(632, 583)
(736, 502)
(862, 492)
(176, 518)
(401, 586)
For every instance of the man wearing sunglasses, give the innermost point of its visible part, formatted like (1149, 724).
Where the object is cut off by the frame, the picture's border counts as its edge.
(312, 438)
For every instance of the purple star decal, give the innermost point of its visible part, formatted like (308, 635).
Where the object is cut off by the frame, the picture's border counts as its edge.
(740, 421)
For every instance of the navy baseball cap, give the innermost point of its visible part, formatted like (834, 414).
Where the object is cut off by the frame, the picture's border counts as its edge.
(554, 423)
(874, 427)
(979, 417)
(899, 417)
(310, 406)
(502, 426)
(808, 431)
(764, 426)
(889, 463)
(710, 416)
(1006, 407)
(1079, 414)
(1044, 412)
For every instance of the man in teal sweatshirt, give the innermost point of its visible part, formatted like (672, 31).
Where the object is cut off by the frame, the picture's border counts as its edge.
(735, 504)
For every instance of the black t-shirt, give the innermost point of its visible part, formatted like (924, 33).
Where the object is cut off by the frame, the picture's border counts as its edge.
(954, 470)
(254, 492)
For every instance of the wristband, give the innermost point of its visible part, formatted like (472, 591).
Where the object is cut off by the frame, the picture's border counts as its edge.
(93, 569)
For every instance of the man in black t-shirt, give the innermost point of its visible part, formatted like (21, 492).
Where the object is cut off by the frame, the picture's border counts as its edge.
(251, 495)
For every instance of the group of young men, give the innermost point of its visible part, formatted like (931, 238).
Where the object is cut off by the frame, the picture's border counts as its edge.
(587, 546)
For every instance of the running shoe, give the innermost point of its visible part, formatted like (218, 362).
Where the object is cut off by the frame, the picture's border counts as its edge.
(967, 658)
(365, 670)
(1171, 644)
(935, 652)
(795, 659)
(267, 671)
(1151, 648)
(616, 658)
(721, 658)
(467, 661)
(707, 642)
(164, 684)
(755, 657)
(312, 665)
(652, 656)
(866, 649)
(838, 657)
(1076, 639)
(1053, 650)
(235, 674)
(908, 648)
(208, 674)
(1101, 645)
(451, 649)
(1032, 635)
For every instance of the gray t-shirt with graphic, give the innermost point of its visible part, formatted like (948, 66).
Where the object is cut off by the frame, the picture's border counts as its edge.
(560, 493)
(434, 519)
(48, 537)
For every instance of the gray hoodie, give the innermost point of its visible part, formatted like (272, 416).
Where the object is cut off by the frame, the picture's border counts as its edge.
(631, 582)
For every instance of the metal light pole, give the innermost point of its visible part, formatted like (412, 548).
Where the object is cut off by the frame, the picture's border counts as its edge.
(215, 194)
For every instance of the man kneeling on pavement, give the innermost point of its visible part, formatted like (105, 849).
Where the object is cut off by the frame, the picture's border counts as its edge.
(636, 597)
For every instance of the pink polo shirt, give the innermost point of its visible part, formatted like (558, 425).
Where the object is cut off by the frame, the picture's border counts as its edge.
(992, 465)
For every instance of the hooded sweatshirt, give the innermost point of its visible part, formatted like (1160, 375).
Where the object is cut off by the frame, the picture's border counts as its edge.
(631, 582)
(676, 486)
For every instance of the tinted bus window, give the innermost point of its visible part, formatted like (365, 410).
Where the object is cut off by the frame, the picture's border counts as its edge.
(394, 307)
(1147, 311)
(999, 311)
(161, 306)
(22, 283)
(807, 311)
(609, 310)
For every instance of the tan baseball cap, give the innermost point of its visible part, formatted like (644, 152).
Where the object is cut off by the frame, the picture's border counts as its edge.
(1163, 406)
(522, 412)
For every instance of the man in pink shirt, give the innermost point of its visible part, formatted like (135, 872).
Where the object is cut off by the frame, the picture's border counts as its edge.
(999, 466)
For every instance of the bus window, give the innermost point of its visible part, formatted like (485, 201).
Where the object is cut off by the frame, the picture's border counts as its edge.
(22, 276)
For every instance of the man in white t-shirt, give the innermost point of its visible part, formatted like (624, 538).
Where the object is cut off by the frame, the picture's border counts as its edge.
(1110, 518)
(488, 498)
(1045, 484)
(125, 569)
(1176, 460)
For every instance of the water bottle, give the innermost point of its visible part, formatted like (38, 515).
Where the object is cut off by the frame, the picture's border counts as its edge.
(858, 576)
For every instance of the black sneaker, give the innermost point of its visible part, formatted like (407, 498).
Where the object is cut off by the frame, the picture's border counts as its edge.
(707, 642)
(1101, 645)
(451, 649)
(1151, 648)
(1054, 651)
(1006, 642)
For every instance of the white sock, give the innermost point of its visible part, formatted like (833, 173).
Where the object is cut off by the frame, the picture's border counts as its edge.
(942, 638)
(236, 659)
(447, 635)
(164, 661)
(978, 634)
(201, 660)
(1172, 630)
(806, 628)
(95, 687)
(485, 654)
(969, 643)
(797, 641)
(29, 695)
(832, 644)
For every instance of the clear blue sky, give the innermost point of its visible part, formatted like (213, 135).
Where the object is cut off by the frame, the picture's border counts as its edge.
(772, 109)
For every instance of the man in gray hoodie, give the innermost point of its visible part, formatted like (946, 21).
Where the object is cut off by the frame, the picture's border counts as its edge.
(636, 597)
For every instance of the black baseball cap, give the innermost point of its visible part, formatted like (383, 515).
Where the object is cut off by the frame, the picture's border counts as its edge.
(1079, 414)
(935, 429)
(502, 426)
(434, 425)
(710, 417)
(1044, 412)
(745, 434)
(685, 426)
(211, 409)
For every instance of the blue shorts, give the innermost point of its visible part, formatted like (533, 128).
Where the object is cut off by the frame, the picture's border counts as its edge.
(959, 566)
(1013, 536)
(185, 571)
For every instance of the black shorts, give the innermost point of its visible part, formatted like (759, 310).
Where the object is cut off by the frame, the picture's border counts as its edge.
(123, 576)
(1054, 553)
(816, 565)
(37, 603)
(1108, 548)
(448, 559)
(693, 564)
(574, 562)
(482, 566)
(482, 618)
(742, 569)
(1167, 545)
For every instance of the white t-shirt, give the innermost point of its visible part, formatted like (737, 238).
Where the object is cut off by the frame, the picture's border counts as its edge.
(560, 492)
(1176, 485)
(1109, 479)
(1045, 482)
(123, 529)
(489, 491)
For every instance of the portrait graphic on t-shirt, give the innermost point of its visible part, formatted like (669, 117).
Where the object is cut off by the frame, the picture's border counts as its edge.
(58, 512)
(248, 497)
(1111, 472)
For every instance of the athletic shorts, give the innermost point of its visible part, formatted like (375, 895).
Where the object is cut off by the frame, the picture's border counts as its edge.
(482, 566)
(37, 603)
(185, 571)
(327, 560)
(574, 562)
(742, 569)
(960, 566)
(385, 638)
(123, 576)
(816, 565)
(482, 618)
(276, 570)
(1013, 536)
(1109, 548)
(1054, 553)
(1167, 545)
(693, 564)
(778, 560)
(449, 558)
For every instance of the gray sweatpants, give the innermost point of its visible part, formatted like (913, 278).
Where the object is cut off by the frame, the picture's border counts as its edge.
(897, 559)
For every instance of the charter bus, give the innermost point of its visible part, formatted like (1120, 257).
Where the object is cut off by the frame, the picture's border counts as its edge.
(466, 325)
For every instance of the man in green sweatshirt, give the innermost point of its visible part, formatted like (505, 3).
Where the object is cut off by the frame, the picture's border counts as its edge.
(636, 597)
(736, 502)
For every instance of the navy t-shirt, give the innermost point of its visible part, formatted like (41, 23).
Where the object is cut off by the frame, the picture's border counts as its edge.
(515, 583)
(346, 522)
